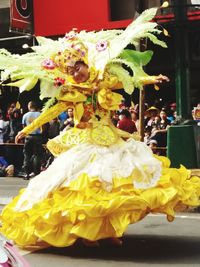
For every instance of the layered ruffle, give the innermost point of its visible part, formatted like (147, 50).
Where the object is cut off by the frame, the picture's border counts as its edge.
(85, 209)
(122, 160)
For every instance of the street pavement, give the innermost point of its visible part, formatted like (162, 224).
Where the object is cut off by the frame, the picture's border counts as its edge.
(151, 242)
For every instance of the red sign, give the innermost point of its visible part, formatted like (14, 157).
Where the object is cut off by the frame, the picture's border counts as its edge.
(21, 15)
(56, 17)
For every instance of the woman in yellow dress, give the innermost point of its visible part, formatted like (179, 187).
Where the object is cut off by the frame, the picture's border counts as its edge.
(102, 178)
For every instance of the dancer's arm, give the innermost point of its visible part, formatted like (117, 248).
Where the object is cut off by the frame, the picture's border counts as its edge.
(149, 79)
(155, 79)
(45, 117)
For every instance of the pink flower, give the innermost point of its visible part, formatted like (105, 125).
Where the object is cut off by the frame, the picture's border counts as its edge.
(101, 45)
(58, 81)
(48, 64)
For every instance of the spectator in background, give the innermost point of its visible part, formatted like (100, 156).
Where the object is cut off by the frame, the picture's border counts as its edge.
(33, 149)
(5, 168)
(153, 144)
(175, 115)
(164, 122)
(147, 135)
(3, 127)
(54, 128)
(10, 109)
(125, 123)
(115, 117)
(62, 117)
(69, 122)
(171, 111)
(155, 124)
(53, 131)
(160, 134)
(45, 132)
(14, 126)
(122, 105)
(196, 113)
(134, 117)
(150, 115)
(172, 106)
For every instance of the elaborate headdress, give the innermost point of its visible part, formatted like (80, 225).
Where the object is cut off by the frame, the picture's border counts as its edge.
(103, 51)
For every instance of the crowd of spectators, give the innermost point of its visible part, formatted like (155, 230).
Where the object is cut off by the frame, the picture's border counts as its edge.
(12, 121)
(156, 123)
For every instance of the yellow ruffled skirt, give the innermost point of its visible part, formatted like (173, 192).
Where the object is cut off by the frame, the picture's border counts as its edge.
(85, 209)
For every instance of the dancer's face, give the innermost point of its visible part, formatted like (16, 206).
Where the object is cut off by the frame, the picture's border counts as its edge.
(79, 72)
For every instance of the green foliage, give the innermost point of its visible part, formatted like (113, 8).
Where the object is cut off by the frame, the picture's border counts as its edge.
(123, 76)
(137, 57)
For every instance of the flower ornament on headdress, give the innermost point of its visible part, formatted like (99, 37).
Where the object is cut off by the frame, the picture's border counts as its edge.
(48, 64)
(59, 81)
(101, 45)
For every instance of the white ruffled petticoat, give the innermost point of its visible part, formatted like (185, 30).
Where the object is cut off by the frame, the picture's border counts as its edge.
(117, 161)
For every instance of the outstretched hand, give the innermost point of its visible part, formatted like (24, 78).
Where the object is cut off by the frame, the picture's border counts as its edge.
(161, 78)
(19, 136)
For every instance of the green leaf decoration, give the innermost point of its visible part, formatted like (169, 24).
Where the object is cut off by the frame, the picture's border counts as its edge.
(137, 57)
(155, 40)
(24, 84)
(123, 76)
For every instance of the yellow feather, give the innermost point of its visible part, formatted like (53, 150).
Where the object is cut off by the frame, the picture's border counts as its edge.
(165, 4)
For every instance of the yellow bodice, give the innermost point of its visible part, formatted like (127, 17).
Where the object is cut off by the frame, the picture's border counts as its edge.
(92, 104)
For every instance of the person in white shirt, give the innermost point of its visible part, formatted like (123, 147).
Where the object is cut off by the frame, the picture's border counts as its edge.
(3, 126)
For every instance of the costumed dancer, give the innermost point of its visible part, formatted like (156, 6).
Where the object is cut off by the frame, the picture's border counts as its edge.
(102, 179)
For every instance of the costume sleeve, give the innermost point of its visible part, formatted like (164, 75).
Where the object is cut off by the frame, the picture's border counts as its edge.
(148, 79)
(46, 116)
